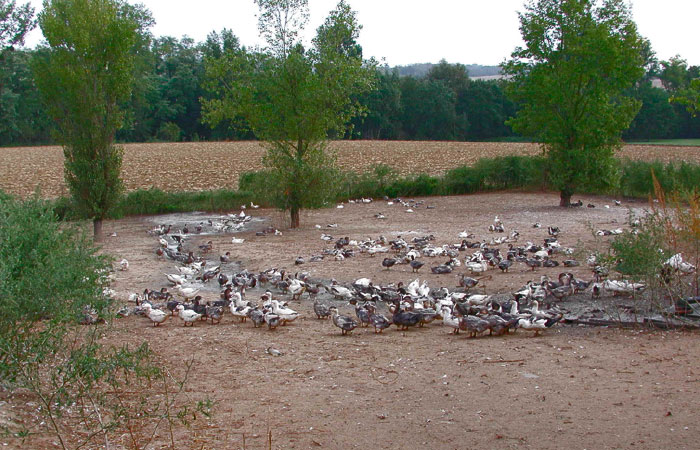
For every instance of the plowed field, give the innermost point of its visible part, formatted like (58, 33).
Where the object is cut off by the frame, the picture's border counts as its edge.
(214, 165)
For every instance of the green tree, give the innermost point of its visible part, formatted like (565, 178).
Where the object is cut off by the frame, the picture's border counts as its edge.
(674, 74)
(579, 57)
(689, 97)
(85, 77)
(293, 98)
(383, 108)
(428, 111)
(656, 118)
(15, 23)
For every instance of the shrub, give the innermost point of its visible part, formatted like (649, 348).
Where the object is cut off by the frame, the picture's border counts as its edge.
(52, 279)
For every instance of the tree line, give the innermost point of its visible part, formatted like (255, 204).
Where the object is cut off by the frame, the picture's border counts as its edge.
(165, 102)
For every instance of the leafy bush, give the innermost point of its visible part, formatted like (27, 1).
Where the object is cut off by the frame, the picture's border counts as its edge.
(463, 180)
(52, 279)
(670, 229)
(48, 270)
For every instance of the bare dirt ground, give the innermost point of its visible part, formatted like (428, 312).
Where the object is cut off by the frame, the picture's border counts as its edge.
(573, 387)
(195, 166)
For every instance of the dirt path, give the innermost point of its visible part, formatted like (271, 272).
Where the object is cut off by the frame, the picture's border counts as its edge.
(573, 387)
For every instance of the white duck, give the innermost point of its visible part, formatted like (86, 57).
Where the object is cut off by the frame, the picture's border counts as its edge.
(478, 299)
(340, 291)
(533, 324)
(450, 319)
(176, 279)
(296, 288)
(123, 264)
(240, 311)
(187, 292)
(621, 287)
(285, 314)
(676, 262)
(187, 271)
(157, 316)
(187, 315)
(476, 266)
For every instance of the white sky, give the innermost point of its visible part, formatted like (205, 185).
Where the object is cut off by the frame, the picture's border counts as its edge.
(416, 31)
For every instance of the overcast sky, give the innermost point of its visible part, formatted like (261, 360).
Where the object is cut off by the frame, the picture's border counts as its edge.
(416, 31)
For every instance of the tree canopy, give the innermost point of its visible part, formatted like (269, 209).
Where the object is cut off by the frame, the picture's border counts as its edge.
(293, 98)
(569, 79)
(84, 77)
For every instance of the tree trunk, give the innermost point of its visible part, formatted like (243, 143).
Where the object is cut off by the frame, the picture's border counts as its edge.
(97, 229)
(565, 198)
(295, 217)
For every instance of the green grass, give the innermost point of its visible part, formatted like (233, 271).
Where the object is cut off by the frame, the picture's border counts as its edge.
(676, 142)
(525, 173)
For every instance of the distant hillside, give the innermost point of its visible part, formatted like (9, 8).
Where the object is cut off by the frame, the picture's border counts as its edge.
(421, 70)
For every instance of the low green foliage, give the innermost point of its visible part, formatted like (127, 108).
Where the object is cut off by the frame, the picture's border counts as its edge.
(51, 279)
(48, 271)
(155, 201)
(488, 174)
(636, 177)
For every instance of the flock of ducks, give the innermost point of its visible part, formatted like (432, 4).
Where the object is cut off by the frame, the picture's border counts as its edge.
(531, 308)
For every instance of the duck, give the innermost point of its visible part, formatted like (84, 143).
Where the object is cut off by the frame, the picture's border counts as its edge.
(345, 323)
(550, 263)
(285, 314)
(467, 282)
(257, 317)
(187, 292)
(533, 324)
(124, 264)
(157, 316)
(361, 312)
(187, 315)
(533, 263)
(271, 319)
(296, 288)
(388, 263)
(197, 307)
(473, 324)
(321, 309)
(379, 321)
(242, 312)
(622, 287)
(175, 279)
(405, 319)
(171, 306)
(561, 292)
(449, 319)
(211, 274)
(505, 265)
(441, 269)
(416, 265)
(207, 247)
(214, 313)
(476, 266)
(339, 292)
(313, 290)
(226, 257)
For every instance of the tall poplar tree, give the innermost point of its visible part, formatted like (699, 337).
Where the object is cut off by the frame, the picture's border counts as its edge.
(86, 74)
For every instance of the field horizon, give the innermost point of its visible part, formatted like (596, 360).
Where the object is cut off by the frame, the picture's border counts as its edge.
(198, 166)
